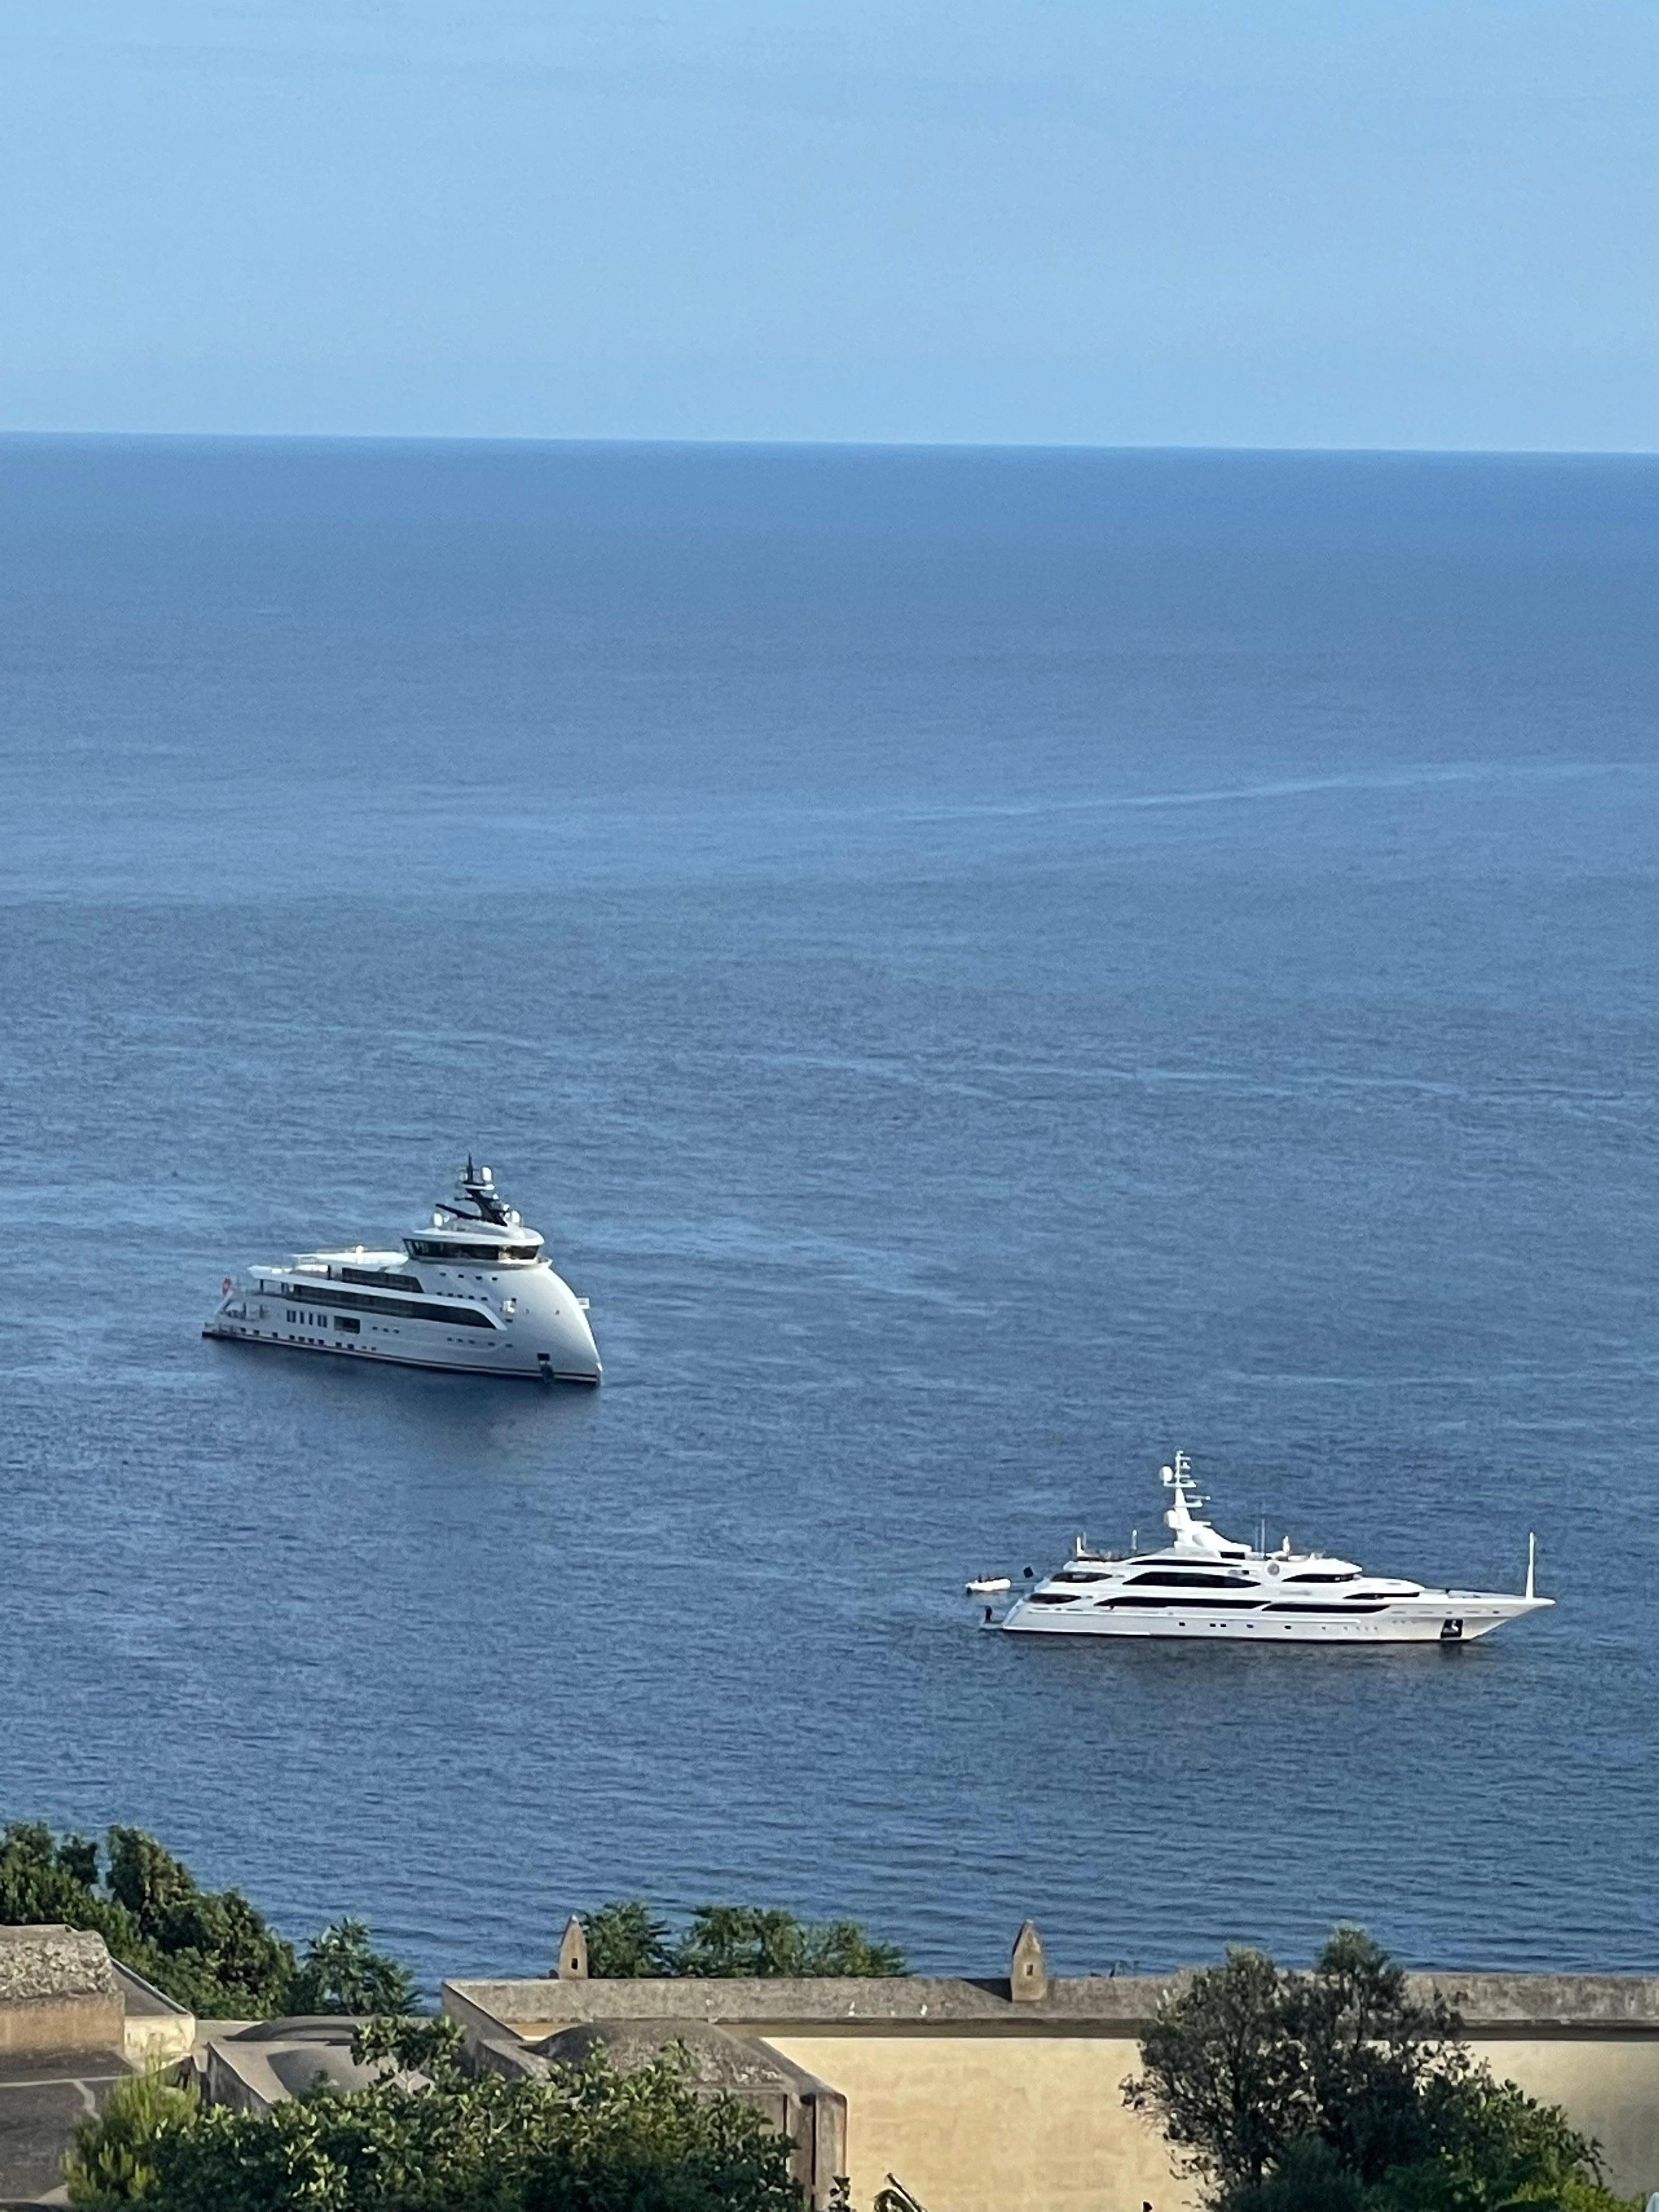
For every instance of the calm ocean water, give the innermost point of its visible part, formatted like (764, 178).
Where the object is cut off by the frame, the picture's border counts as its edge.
(987, 967)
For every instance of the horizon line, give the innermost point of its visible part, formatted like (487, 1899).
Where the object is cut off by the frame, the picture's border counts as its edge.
(10, 436)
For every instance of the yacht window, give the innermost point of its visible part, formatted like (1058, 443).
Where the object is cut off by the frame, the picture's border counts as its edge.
(1172, 1578)
(1349, 1575)
(350, 1322)
(1079, 1575)
(520, 1251)
(362, 1302)
(378, 1278)
(1049, 1598)
(1169, 1604)
(1328, 1604)
(428, 1248)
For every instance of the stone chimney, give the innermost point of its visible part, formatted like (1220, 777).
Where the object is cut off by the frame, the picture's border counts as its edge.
(573, 1951)
(1028, 1969)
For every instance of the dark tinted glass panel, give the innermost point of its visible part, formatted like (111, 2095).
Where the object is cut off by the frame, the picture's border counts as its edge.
(362, 1302)
(1172, 1579)
(1326, 1604)
(1172, 1603)
(380, 1278)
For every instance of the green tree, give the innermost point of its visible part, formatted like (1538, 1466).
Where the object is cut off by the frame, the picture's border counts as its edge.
(1307, 2177)
(342, 1972)
(1223, 2078)
(427, 2136)
(43, 1878)
(841, 1947)
(741, 1942)
(1339, 2091)
(111, 2159)
(1496, 2149)
(1369, 2054)
(626, 1942)
(208, 1949)
(220, 1955)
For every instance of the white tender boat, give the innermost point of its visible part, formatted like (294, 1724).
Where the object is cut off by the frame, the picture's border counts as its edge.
(1204, 1584)
(472, 1291)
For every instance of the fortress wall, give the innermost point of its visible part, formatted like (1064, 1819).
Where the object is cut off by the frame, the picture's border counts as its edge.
(982, 2099)
(1031, 2123)
(986, 2122)
(1608, 2082)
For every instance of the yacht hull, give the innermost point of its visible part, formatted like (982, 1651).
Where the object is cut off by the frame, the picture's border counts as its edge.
(235, 1334)
(546, 1339)
(1450, 1618)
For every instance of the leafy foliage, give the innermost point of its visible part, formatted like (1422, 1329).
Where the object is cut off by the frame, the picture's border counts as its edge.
(113, 2156)
(742, 1941)
(208, 1949)
(1337, 2091)
(428, 2138)
(215, 1951)
(627, 1943)
(1496, 2149)
(43, 1878)
(342, 1972)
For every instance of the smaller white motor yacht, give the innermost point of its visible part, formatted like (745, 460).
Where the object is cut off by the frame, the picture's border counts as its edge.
(472, 1291)
(1205, 1584)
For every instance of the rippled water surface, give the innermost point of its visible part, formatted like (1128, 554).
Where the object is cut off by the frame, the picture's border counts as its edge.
(986, 967)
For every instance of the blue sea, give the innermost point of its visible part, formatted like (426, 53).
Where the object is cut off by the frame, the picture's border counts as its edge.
(989, 968)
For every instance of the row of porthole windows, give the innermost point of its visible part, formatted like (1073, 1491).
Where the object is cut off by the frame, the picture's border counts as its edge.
(348, 1324)
(328, 1343)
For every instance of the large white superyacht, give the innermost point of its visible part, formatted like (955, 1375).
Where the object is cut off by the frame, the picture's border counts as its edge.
(472, 1290)
(1205, 1584)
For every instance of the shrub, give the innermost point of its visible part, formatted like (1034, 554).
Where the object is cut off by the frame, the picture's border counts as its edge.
(428, 2138)
(1337, 2091)
(210, 1950)
(342, 1972)
(112, 2157)
(741, 1942)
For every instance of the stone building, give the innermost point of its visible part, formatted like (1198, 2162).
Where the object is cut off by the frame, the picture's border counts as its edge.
(994, 2094)
(1005, 2094)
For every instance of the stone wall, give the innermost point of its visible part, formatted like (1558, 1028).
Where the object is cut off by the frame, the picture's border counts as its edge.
(977, 2123)
(981, 2098)
(58, 1993)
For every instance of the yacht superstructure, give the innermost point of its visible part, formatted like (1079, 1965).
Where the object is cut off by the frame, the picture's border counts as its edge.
(1205, 1584)
(472, 1290)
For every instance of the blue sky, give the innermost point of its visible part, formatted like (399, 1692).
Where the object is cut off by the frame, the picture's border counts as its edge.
(1428, 223)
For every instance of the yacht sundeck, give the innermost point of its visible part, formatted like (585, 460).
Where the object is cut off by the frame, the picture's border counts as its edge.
(1204, 1584)
(472, 1290)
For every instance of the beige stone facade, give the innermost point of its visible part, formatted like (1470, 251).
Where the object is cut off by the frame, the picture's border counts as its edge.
(982, 2100)
(58, 1991)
